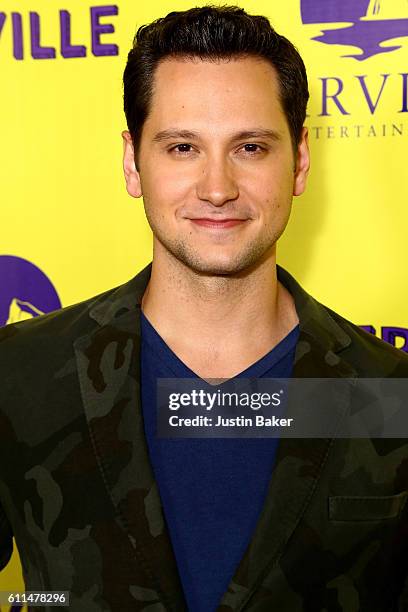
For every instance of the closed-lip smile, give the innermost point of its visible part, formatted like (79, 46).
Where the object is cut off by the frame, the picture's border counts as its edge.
(216, 222)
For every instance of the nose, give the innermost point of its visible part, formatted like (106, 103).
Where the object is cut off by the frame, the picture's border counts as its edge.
(217, 183)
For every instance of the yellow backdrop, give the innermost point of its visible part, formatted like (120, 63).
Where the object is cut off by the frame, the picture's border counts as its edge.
(67, 221)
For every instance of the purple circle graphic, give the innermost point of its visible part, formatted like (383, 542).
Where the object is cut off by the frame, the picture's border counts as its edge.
(369, 23)
(25, 291)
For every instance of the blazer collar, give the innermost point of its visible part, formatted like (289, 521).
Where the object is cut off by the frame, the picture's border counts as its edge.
(108, 364)
(314, 320)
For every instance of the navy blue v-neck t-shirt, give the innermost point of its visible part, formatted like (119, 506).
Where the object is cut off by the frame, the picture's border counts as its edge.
(212, 490)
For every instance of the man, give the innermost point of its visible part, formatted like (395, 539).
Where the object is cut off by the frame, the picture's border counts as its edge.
(101, 506)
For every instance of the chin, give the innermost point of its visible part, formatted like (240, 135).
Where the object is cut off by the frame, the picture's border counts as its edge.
(214, 267)
(210, 263)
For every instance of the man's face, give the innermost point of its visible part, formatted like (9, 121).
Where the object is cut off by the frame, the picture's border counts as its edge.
(216, 145)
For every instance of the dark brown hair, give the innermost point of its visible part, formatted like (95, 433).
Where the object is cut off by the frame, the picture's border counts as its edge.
(212, 33)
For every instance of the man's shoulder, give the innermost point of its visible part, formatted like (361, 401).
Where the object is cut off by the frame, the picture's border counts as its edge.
(43, 332)
(370, 355)
(366, 354)
(32, 351)
(48, 343)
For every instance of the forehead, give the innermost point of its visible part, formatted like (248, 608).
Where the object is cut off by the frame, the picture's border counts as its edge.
(216, 93)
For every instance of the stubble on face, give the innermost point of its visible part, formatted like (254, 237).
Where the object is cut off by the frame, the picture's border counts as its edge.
(169, 187)
(181, 249)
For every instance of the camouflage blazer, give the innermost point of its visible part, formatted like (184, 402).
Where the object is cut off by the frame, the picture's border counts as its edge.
(78, 493)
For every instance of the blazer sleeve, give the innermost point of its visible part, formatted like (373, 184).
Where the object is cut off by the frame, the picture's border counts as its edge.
(6, 540)
(403, 599)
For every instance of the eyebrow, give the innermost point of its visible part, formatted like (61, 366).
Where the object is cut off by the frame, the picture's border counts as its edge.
(171, 134)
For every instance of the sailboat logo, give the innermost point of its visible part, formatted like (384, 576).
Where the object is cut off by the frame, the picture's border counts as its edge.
(25, 291)
(367, 24)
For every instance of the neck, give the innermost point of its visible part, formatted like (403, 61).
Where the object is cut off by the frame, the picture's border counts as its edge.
(195, 310)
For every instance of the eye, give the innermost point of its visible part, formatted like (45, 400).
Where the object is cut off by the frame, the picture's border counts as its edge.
(182, 148)
(252, 148)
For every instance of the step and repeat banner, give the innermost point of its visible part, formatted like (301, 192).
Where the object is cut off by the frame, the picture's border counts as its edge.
(69, 230)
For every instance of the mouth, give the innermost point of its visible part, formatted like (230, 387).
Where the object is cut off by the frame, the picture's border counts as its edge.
(218, 224)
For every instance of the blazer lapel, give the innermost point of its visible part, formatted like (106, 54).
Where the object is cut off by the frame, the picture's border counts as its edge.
(108, 363)
(299, 462)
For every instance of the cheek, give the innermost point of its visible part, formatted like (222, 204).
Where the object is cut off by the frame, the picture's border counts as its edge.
(166, 186)
(163, 199)
(275, 203)
(271, 195)
(272, 180)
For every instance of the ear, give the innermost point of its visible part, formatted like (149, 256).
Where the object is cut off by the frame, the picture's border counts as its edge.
(132, 177)
(302, 164)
